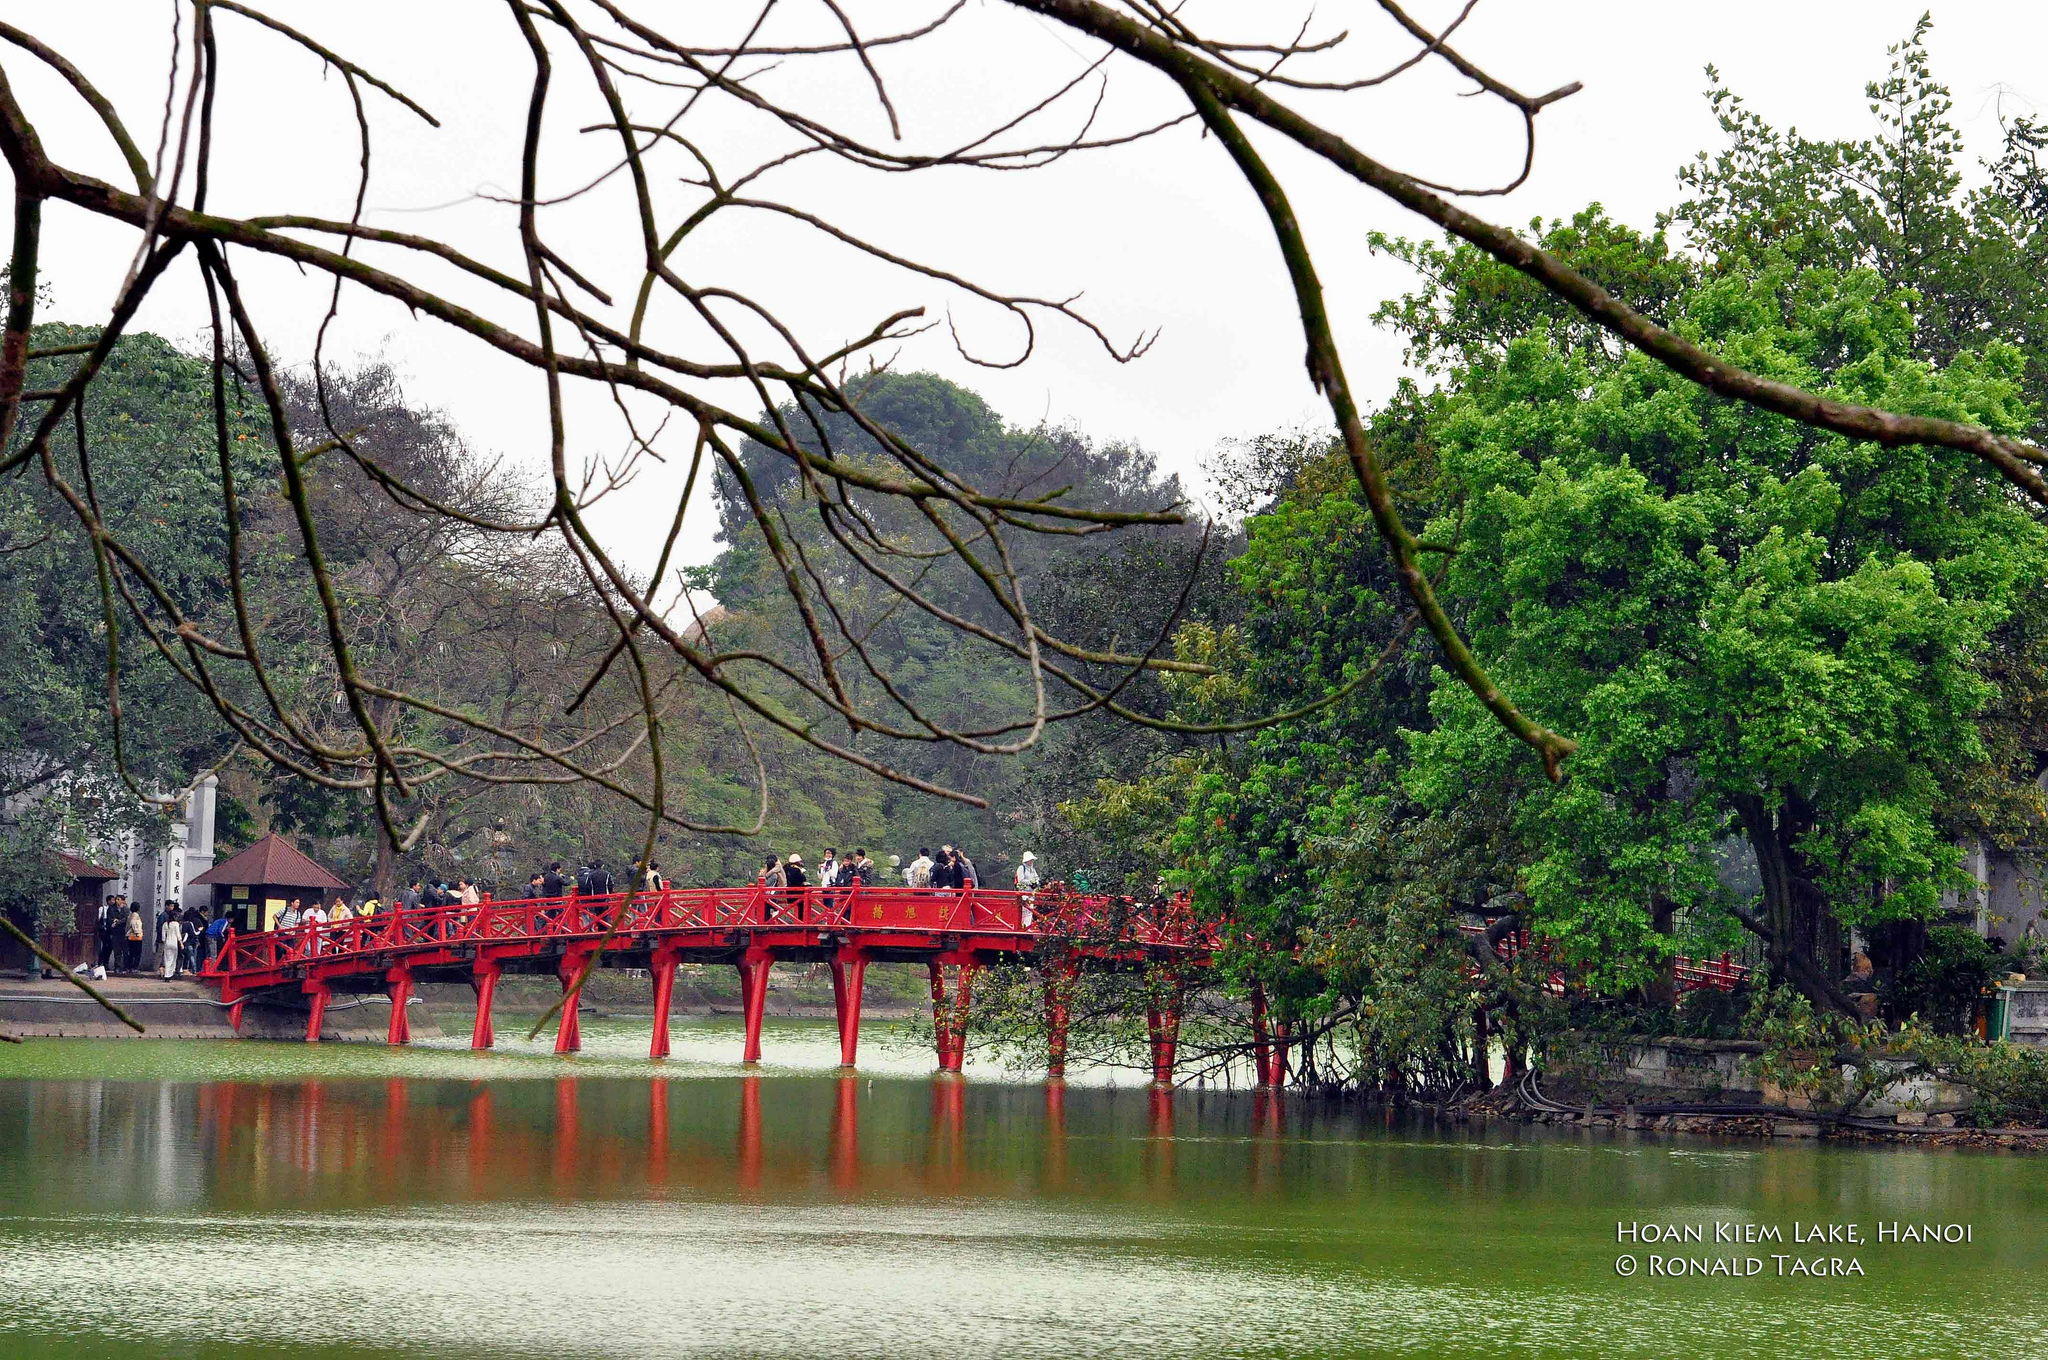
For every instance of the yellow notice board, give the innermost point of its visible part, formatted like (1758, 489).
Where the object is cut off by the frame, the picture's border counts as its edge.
(273, 907)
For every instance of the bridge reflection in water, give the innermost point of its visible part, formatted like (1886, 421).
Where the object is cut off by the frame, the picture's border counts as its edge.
(409, 1140)
(805, 1216)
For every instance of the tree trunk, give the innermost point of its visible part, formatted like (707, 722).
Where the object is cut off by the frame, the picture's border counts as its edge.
(1662, 990)
(1482, 1051)
(1802, 936)
(385, 881)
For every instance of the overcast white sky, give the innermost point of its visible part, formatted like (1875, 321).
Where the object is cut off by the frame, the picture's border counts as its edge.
(1157, 235)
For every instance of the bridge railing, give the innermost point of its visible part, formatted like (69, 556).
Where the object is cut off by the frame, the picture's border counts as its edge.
(1051, 912)
(1688, 974)
(1708, 974)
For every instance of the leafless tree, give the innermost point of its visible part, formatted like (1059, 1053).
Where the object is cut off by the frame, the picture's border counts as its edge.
(665, 354)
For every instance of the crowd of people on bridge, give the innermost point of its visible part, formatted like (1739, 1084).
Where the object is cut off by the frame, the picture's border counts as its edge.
(951, 868)
(190, 938)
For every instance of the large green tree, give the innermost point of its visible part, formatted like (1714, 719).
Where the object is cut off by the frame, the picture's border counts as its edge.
(1755, 628)
(144, 453)
(1797, 666)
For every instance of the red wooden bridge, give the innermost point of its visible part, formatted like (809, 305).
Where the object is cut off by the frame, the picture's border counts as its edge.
(952, 932)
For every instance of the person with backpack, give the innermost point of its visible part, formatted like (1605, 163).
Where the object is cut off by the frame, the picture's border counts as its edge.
(543, 886)
(411, 900)
(1028, 880)
(795, 880)
(216, 936)
(440, 898)
(918, 873)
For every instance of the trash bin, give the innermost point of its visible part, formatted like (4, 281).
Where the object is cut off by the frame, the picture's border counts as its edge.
(1998, 1012)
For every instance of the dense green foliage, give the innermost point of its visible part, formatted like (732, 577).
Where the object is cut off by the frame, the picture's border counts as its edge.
(1124, 592)
(1748, 627)
(1798, 667)
(150, 464)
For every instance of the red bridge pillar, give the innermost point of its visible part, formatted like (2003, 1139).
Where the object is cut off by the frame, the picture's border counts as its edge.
(1162, 1025)
(1269, 1043)
(949, 1016)
(398, 983)
(1276, 1070)
(484, 978)
(569, 1030)
(849, 974)
(754, 966)
(318, 991)
(1059, 993)
(663, 967)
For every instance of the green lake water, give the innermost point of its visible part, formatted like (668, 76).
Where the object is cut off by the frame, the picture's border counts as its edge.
(247, 1199)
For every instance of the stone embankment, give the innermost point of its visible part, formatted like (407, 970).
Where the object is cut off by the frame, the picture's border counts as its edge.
(1703, 1086)
(50, 1008)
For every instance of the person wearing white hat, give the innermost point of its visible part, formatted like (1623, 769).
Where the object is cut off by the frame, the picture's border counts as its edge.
(1027, 883)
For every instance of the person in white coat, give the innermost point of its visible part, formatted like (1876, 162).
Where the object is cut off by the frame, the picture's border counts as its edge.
(1027, 883)
(172, 937)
